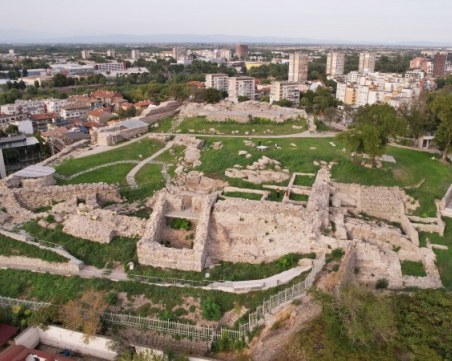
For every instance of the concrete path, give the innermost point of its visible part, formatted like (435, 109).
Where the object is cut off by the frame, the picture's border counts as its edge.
(131, 175)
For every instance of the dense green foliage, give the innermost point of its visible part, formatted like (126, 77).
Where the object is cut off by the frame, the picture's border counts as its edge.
(360, 325)
(210, 310)
(412, 268)
(319, 101)
(119, 251)
(11, 247)
(180, 223)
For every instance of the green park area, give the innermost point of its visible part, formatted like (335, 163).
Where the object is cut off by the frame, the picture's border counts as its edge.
(255, 126)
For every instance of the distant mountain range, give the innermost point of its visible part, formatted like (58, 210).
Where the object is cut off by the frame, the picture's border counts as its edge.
(8, 36)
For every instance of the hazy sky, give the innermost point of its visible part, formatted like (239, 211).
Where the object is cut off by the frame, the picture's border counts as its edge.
(349, 20)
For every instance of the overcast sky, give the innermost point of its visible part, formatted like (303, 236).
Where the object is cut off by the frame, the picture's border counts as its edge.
(347, 20)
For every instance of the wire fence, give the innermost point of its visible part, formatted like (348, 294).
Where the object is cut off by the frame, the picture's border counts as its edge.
(195, 332)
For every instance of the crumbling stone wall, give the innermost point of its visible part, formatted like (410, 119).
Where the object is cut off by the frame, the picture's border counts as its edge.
(36, 264)
(151, 252)
(30, 199)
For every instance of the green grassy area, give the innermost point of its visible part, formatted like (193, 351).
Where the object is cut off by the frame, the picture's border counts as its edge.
(144, 148)
(119, 251)
(149, 180)
(227, 271)
(252, 196)
(164, 126)
(411, 169)
(304, 181)
(11, 247)
(412, 268)
(260, 126)
(111, 175)
(298, 197)
(443, 257)
(55, 288)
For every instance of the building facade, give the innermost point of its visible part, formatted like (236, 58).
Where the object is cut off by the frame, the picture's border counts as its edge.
(135, 54)
(109, 67)
(285, 90)
(335, 63)
(439, 65)
(241, 51)
(217, 81)
(367, 62)
(243, 86)
(298, 68)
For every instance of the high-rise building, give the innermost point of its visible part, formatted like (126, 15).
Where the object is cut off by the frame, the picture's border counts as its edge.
(135, 54)
(285, 90)
(298, 67)
(439, 65)
(241, 51)
(179, 52)
(111, 52)
(243, 86)
(367, 62)
(226, 54)
(217, 81)
(86, 54)
(335, 63)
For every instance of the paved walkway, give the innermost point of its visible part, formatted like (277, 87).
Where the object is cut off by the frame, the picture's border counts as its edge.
(131, 175)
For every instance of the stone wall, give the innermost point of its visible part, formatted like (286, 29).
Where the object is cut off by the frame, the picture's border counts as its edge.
(31, 199)
(101, 226)
(65, 153)
(36, 264)
(34, 183)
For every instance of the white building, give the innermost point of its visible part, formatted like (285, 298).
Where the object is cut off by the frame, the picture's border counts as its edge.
(335, 63)
(23, 107)
(243, 86)
(109, 67)
(415, 74)
(55, 105)
(72, 69)
(86, 54)
(75, 110)
(217, 81)
(285, 90)
(367, 62)
(111, 53)
(298, 67)
(135, 54)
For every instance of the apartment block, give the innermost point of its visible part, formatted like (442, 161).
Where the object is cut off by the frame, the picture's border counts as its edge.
(285, 90)
(111, 53)
(217, 81)
(109, 67)
(367, 62)
(298, 68)
(135, 54)
(241, 51)
(243, 86)
(335, 63)
(75, 110)
(439, 65)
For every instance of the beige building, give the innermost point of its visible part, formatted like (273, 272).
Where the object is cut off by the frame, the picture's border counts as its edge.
(335, 63)
(217, 81)
(367, 62)
(135, 54)
(243, 86)
(298, 67)
(285, 90)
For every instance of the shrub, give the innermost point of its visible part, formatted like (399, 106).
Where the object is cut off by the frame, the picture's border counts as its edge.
(180, 223)
(382, 283)
(210, 310)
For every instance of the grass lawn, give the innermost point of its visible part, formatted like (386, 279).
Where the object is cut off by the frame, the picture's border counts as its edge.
(304, 181)
(298, 197)
(412, 167)
(120, 250)
(144, 147)
(443, 257)
(252, 196)
(149, 180)
(260, 126)
(11, 247)
(111, 175)
(164, 126)
(171, 156)
(412, 268)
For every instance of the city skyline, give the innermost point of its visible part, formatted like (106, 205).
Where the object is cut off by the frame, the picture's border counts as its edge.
(321, 21)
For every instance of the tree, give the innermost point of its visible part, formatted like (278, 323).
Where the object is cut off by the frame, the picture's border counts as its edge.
(372, 127)
(85, 313)
(442, 108)
(212, 96)
(284, 103)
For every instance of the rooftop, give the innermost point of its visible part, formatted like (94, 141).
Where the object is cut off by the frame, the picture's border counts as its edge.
(35, 171)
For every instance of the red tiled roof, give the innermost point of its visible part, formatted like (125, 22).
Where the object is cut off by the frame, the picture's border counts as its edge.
(44, 116)
(105, 94)
(98, 112)
(20, 353)
(6, 332)
(197, 84)
(143, 103)
(54, 132)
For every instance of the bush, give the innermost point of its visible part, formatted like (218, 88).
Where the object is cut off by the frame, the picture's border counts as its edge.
(210, 310)
(180, 223)
(335, 255)
(382, 283)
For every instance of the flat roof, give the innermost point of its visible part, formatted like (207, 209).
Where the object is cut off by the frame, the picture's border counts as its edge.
(35, 171)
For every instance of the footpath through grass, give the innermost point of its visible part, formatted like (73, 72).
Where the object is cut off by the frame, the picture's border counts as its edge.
(11, 247)
(137, 150)
(149, 180)
(260, 126)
